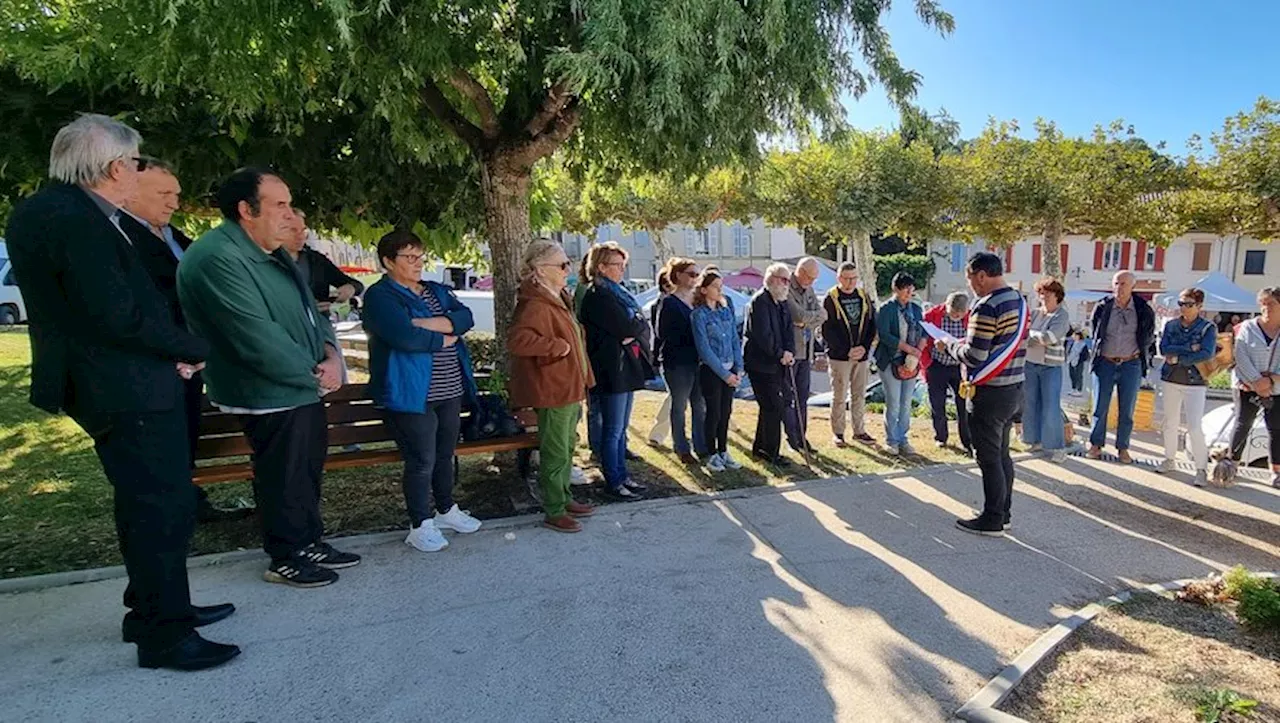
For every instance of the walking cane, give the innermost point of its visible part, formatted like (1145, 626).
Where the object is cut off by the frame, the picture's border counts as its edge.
(795, 399)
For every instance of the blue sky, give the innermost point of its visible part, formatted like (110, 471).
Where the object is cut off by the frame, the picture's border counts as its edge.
(1170, 68)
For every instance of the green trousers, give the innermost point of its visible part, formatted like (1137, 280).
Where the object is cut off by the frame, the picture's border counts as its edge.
(557, 437)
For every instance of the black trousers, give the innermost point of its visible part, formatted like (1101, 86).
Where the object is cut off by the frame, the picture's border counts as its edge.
(719, 402)
(773, 405)
(427, 442)
(992, 413)
(1247, 411)
(940, 378)
(193, 407)
(796, 420)
(288, 465)
(144, 456)
(1077, 376)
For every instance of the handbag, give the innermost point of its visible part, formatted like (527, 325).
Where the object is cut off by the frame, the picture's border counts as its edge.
(489, 419)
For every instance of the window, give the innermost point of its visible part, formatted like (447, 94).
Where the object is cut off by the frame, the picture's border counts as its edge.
(1112, 254)
(1200, 257)
(741, 240)
(641, 239)
(702, 243)
(1255, 262)
(1150, 261)
(957, 257)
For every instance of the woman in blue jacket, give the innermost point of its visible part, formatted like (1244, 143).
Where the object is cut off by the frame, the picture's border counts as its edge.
(420, 376)
(898, 359)
(715, 335)
(1186, 341)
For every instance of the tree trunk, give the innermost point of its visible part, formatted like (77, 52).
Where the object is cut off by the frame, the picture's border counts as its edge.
(865, 259)
(662, 249)
(505, 185)
(1050, 252)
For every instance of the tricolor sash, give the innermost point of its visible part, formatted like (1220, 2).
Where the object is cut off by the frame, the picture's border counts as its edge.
(996, 363)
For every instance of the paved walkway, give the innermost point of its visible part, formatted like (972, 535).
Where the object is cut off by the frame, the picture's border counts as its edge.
(849, 599)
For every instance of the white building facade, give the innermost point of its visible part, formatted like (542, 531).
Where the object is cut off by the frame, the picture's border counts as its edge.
(1088, 263)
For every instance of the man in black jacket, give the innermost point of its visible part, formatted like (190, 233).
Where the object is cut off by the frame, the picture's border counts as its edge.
(318, 272)
(849, 332)
(767, 356)
(1123, 327)
(106, 351)
(160, 247)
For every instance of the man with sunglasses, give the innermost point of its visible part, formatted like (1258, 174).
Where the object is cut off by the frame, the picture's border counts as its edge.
(106, 351)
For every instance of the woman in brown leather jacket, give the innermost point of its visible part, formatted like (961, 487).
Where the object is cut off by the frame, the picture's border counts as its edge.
(551, 373)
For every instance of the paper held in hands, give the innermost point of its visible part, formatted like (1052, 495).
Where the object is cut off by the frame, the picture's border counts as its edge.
(937, 333)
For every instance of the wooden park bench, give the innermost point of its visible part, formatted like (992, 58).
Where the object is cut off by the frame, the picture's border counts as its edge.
(222, 452)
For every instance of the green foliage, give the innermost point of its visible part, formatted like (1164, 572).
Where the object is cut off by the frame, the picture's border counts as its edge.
(1221, 380)
(1258, 598)
(484, 349)
(1212, 705)
(919, 266)
(1238, 189)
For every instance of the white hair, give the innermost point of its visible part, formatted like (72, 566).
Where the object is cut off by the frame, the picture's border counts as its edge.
(957, 301)
(85, 148)
(776, 270)
(808, 262)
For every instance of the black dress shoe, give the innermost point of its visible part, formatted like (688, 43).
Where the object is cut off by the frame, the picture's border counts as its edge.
(201, 615)
(632, 456)
(191, 653)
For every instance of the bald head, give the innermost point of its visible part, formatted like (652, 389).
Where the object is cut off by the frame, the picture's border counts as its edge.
(806, 272)
(1122, 285)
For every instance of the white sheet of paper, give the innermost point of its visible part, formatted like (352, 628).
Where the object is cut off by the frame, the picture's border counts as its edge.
(937, 333)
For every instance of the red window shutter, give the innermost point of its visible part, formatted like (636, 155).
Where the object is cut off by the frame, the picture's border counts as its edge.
(1035, 259)
(1141, 259)
(1159, 259)
(1097, 255)
(1063, 264)
(1125, 246)
(1008, 260)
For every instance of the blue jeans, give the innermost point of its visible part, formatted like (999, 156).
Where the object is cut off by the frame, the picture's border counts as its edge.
(897, 407)
(1042, 408)
(1124, 379)
(595, 423)
(615, 412)
(686, 391)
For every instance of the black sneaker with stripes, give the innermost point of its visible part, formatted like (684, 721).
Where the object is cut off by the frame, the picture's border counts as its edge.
(324, 555)
(299, 572)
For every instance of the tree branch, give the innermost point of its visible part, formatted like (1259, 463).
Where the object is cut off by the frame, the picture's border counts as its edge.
(555, 135)
(557, 98)
(469, 87)
(450, 118)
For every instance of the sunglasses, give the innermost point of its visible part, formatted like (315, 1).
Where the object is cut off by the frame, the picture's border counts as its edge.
(140, 162)
(1187, 304)
(564, 265)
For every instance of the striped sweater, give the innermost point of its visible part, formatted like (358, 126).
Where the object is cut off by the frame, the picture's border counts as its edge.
(992, 325)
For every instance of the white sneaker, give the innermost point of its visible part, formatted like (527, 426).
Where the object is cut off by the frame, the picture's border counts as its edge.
(1167, 466)
(729, 462)
(1058, 456)
(892, 449)
(456, 520)
(426, 537)
(578, 478)
(714, 464)
(1202, 478)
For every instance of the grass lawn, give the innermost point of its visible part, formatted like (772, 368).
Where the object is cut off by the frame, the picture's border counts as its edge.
(55, 504)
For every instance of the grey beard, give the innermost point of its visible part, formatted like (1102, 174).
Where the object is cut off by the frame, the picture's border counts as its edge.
(779, 295)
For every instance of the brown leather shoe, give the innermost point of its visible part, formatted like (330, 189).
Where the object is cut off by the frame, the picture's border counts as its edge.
(1094, 453)
(688, 458)
(579, 509)
(563, 523)
(1123, 454)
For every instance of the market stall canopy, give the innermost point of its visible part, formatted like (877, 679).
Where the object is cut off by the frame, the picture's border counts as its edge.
(1220, 294)
(748, 278)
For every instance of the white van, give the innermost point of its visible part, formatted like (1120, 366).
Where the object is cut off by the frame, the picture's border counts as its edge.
(12, 309)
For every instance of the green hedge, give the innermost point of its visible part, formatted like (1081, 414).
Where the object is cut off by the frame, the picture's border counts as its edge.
(919, 266)
(484, 349)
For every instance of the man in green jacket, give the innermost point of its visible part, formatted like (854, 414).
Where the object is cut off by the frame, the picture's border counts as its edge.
(274, 355)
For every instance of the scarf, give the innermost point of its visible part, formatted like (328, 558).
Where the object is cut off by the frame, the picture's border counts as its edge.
(621, 294)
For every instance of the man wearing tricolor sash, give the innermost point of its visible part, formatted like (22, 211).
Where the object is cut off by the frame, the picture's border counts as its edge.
(992, 353)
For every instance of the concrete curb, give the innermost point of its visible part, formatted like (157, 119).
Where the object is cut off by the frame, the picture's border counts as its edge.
(97, 574)
(981, 708)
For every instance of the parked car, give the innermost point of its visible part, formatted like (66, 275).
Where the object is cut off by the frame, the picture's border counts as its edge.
(1218, 425)
(12, 308)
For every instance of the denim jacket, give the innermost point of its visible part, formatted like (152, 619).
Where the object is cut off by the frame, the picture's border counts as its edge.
(1177, 340)
(715, 334)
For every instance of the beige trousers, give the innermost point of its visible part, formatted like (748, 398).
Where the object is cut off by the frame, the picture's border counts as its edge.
(848, 381)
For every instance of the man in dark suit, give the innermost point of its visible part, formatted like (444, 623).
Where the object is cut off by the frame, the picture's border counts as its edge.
(768, 355)
(160, 247)
(106, 351)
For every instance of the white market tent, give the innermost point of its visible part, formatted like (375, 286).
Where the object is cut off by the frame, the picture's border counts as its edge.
(1220, 294)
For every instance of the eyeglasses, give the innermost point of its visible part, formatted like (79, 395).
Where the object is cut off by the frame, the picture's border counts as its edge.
(564, 265)
(1187, 304)
(413, 258)
(691, 273)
